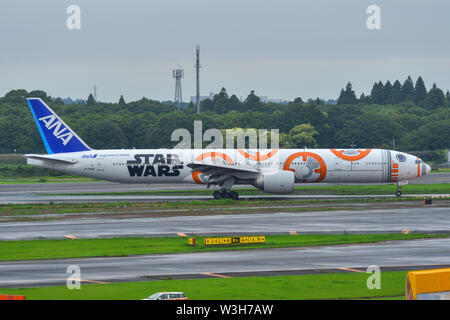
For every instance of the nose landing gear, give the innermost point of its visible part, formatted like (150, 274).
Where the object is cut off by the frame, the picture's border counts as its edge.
(399, 192)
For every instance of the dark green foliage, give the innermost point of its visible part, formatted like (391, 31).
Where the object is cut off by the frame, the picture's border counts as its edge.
(122, 102)
(396, 96)
(420, 92)
(39, 94)
(221, 102)
(298, 100)
(106, 134)
(377, 95)
(387, 92)
(434, 135)
(90, 100)
(408, 90)
(148, 124)
(234, 103)
(206, 105)
(191, 108)
(347, 96)
(253, 102)
(362, 98)
(435, 98)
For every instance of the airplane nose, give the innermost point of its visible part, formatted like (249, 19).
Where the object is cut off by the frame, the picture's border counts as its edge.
(427, 169)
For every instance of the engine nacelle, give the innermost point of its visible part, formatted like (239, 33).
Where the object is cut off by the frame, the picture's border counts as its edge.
(281, 181)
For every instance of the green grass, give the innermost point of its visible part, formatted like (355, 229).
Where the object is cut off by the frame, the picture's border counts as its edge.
(316, 286)
(381, 189)
(440, 170)
(44, 179)
(67, 248)
(14, 169)
(41, 208)
(225, 204)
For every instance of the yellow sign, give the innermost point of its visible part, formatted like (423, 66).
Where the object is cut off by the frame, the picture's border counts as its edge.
(215, 241)
(427, 281)
(258, 239)
(235, 240)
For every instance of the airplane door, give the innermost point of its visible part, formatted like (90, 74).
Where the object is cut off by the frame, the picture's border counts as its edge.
(343, 165)
(338, 164)
(100, 164)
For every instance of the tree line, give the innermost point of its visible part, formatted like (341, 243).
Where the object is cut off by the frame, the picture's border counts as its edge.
(396, 93)
(371, 122)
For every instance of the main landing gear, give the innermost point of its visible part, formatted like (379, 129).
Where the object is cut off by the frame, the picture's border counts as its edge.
(225, 194)
(225, 191)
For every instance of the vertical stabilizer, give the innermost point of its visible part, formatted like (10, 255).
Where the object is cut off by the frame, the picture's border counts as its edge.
(57, 136)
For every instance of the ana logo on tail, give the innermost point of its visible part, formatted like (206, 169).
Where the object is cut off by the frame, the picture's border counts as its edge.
(56, 135)
(63, 134)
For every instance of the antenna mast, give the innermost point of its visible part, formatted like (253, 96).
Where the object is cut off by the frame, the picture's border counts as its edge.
(197, 67)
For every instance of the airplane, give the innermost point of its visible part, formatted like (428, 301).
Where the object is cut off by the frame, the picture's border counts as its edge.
(273, 171)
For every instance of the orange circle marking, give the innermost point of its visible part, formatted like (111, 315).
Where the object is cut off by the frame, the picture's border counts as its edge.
(212, 155)
(322, 170)
(356, 157)
(258, 156)
(195, 176)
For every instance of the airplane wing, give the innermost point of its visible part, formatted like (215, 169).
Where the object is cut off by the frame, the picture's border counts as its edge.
(222, 174)
(224, 168)
(50, 158)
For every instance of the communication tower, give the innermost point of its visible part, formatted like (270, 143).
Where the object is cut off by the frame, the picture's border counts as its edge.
(178, 74)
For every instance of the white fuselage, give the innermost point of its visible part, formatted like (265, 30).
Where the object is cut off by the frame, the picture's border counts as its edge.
(309, 165)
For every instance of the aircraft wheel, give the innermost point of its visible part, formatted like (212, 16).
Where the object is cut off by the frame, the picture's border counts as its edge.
(217, 194)
(398, 193)
(234, 195)
(226, 195)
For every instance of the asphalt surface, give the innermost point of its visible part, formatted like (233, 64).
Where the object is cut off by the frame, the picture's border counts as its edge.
(405, 254)
(36, 199)
(105, 186)
(427, 219)
(67, 192)
(400, 253)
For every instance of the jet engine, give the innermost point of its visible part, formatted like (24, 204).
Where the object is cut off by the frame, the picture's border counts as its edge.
(276, 182)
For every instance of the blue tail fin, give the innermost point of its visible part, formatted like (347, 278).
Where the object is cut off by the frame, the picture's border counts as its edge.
(57, 136)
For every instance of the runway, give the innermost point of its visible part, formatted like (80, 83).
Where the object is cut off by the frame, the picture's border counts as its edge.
(105, 186)
(75, 192)
(419, 219)
(361, 218)
(400, 253)
(36, 199)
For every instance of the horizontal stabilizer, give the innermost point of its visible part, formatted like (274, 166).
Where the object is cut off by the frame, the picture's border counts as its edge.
(50, 159)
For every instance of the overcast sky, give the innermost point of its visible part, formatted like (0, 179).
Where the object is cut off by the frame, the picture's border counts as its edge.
(279, 48)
